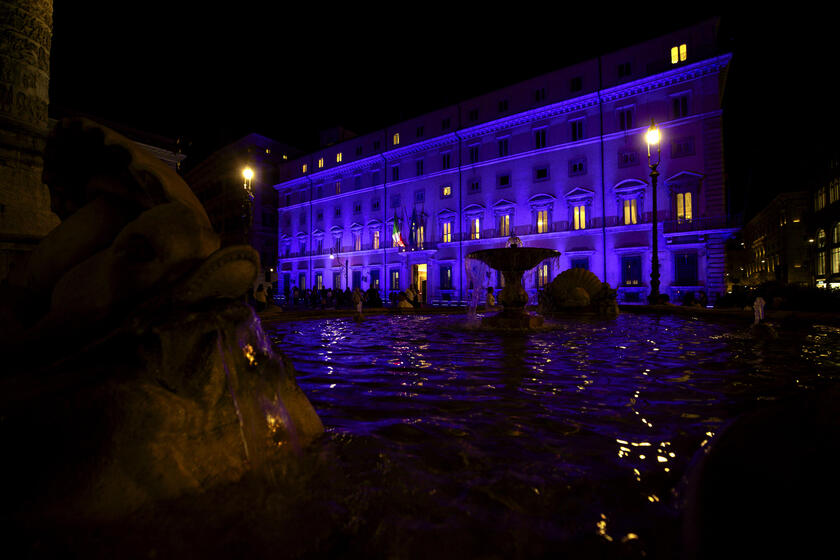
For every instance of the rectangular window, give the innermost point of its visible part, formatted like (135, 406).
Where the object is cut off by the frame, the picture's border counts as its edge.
(319, 281)
(631, 270)
(581, 262)
(680, 106)
(835, 260)
(540, 173)
(686, 269)
(374, 204)
(504, 181)
(503, 147)
(681, 147)
(357, 241)
(338, 157)
(576, 84)
(445, 277)
(337, 244)
(625, 119)
(679, 53)
(630, 211)
(395, 173)
(338, 211)
(396, 139)
(473, 115)
(336, 280)
(357, 207)
(374, 178)
(504, 225)
(577, 167)
(395, 201)
(628, 158)
(539, 139)
(357, 181)
(374, 279)
(419, 196)
(319, 215)
(375, 242)
(304, 168)
(821, 263)
(302, 280)
(684, 210)
(576, 129)
(580, 217)
(475, 228)
(445, 123)
(419, 165)
(475, 187)
(539, 94)
(359, 150)
(376, 145)
(419, 131)
(320, 163)
(419, 236)
(319, 245)
(542, 221)
(357, 279)
(446, 191)
(395, 279)
(446, 161)
(543, 274)
(338, 187)
(623, 69)
(447, 232)
(503, 106)
(473, 154)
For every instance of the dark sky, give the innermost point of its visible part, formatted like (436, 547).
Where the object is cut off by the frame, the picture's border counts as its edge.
(214, 76)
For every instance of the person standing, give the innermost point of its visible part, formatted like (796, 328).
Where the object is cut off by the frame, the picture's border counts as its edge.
(260, 299)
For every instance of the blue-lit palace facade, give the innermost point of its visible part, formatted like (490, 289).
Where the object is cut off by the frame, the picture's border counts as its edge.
(560, 160)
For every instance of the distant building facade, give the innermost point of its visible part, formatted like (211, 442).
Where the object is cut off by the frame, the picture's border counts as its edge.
(219, 185)
(775, 242)
(560, 160)
(824, 226)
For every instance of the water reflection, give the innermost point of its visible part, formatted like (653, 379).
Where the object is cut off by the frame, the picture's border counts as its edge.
(595, 419)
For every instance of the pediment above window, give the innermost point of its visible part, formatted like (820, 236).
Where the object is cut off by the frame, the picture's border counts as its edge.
(579, 194)
(629, 187)
(336, 230)
(539, 201)
(684, 179)
(356, 227)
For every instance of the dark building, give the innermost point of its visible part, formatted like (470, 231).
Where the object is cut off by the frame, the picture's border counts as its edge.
(219, 183)
(775, 242)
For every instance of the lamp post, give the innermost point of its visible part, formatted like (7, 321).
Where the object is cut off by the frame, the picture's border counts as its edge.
(653, 138)
(333, 256)
(248, 202)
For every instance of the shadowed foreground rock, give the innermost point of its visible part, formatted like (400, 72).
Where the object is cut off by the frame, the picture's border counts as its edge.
(134, 371)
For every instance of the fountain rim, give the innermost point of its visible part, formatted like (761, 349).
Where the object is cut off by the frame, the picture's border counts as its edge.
(477, 255)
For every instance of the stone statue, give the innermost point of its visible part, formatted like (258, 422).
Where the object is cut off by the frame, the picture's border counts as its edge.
(580, 290)
(135, 370)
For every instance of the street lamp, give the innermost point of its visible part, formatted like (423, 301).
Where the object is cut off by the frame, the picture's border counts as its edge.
(333, 256)
(248, 201)
(653, 138)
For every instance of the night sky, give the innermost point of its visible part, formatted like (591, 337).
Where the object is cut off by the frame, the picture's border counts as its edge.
(214, 76)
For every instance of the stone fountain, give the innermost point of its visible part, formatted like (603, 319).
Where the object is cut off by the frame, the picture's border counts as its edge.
(133, 370)
(513, 261)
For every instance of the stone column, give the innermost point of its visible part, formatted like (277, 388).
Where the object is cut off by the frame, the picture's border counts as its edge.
(25, 216)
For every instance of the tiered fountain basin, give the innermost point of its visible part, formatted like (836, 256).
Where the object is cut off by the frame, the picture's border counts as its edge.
(513, 262)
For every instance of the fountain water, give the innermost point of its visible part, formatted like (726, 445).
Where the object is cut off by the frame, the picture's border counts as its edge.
(513, 261)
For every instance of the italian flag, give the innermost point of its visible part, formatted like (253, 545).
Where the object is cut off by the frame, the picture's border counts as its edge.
(396, 236)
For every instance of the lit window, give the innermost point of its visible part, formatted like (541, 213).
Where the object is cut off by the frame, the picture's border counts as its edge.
(684, 213)
(835, 260)
(542, 275)
(376, 239)
(419, 235)
(338, 187)
(679, 54)
(320, 163)
(504, 225)
(396, 138)
(475, 228)
(542, 221)
(303, 168)
(447, 232)
(338, 157)
(357, 241)
(446, 191)
(580, 217)
(630, 211)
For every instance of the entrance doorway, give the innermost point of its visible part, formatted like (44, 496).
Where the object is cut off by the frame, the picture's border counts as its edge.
(419, 276)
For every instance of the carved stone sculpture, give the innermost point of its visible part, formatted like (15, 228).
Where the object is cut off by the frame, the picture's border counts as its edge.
(579, 289)
(135, 370)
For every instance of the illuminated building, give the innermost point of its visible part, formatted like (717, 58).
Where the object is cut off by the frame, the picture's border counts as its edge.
(559, 160)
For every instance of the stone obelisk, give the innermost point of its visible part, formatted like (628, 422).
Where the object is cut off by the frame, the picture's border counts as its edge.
(25, 216)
